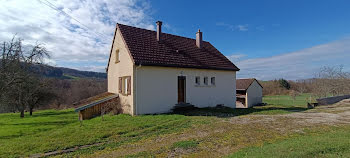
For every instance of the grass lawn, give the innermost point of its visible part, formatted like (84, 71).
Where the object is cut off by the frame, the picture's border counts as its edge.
(253, 132)
(333, 143)
(285, 100)
(52, 130)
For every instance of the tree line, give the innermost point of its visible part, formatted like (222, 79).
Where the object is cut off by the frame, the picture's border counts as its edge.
(328, 81)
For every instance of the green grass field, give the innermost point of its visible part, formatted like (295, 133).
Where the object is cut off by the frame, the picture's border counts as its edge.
(196, 133)
(52, 130)
(285, 100)
(332, 143)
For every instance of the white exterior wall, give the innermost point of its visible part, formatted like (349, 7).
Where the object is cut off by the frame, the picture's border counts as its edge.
(124, 67)
(254, 94)
(157, 89)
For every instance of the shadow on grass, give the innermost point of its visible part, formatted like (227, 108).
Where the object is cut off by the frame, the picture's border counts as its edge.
(40, 123)
(231, 112)
(51, 113)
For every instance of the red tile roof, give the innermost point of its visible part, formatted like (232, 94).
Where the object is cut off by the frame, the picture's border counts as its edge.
(243, 84)
(172, 50)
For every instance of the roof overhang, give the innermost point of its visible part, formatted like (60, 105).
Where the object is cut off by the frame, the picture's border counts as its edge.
(95, 103)
(182, 66)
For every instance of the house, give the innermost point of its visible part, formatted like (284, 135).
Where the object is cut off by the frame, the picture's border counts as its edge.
(152, 71)
(249, 92)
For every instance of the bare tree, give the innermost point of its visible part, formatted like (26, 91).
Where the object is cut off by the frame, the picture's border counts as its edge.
(293, 94)
(38, 94)
(17, 79)
(331, 81)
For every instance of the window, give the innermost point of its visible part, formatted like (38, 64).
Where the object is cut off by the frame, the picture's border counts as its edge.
(198, 80)
(205, 80)
(212, 80)
(125, 85)
(117, 56)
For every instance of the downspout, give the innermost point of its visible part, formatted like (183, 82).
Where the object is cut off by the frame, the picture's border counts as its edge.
(136, 88)
(246, 98)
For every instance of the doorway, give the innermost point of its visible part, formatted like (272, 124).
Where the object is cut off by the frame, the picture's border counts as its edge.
(181, 89)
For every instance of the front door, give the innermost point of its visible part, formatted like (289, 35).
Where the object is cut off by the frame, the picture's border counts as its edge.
(181, 89)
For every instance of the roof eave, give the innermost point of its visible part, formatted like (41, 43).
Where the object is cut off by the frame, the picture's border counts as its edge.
(95, 103)
(182, 66)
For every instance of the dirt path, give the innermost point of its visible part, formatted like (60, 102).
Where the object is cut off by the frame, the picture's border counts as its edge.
(59, 152)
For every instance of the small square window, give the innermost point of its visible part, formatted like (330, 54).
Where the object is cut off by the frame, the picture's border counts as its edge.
(206, 80)
(198, 80)
(212, 80)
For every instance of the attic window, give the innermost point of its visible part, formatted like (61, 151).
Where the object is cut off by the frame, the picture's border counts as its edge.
(117, 56)
(198, 80)
(205, 80)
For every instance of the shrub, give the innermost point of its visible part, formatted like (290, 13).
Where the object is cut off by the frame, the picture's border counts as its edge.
(284, 83)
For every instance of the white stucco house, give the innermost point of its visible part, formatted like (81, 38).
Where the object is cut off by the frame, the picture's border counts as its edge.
(152, 71)
(249, 92)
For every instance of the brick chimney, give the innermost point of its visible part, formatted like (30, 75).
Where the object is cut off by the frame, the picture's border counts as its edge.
(159, 30)
(199, 39)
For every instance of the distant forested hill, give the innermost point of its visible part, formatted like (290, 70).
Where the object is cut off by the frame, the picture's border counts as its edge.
(67, 73)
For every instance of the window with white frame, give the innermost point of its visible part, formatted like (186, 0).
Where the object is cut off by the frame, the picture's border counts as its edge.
(198, 80)
(212, 80)
(205, 80)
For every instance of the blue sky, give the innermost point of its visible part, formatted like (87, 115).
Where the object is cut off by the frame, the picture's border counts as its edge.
(270, 27)
(267, 39)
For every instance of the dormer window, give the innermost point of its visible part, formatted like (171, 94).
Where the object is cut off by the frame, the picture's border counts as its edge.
(117, 56)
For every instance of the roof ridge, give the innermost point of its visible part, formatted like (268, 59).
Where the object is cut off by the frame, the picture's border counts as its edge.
(162, 32)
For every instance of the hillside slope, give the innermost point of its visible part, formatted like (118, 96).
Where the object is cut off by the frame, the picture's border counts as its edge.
(67, 73)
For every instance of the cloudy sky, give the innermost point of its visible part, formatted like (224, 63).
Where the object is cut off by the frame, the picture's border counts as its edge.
(266, 39)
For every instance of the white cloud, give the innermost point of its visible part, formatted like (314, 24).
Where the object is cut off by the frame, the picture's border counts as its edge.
(297, 65)
(69, 40)
(169, 28)
(50, 61)
(236, 57)
(241, 27)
